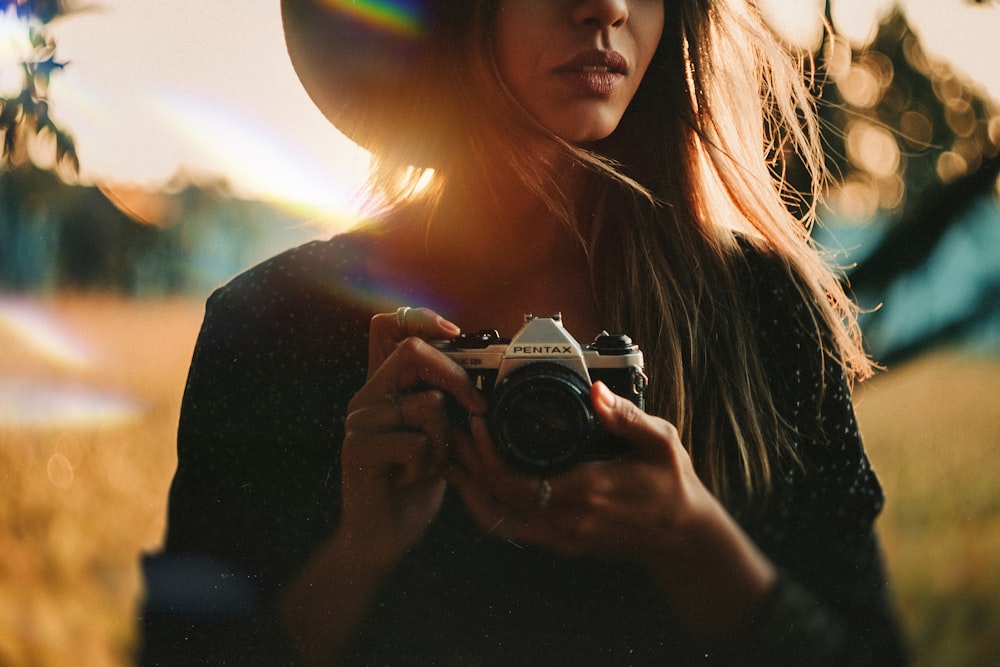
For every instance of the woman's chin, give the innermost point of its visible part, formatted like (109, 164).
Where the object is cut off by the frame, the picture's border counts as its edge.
(590, 131)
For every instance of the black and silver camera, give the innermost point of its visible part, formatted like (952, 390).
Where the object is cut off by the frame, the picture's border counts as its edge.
(538, 385)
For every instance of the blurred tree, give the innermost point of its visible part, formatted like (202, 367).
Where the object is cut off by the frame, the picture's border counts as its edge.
(916, 152)
(900, 122)
(24, 114)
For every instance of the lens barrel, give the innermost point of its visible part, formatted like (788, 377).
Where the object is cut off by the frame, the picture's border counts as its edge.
(541, 418)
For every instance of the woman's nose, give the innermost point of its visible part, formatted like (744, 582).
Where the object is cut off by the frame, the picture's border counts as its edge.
(601, 13)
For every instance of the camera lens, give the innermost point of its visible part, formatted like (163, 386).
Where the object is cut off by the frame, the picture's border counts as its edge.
(541, 419)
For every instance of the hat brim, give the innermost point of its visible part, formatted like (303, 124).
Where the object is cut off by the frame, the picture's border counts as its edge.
(362, 74)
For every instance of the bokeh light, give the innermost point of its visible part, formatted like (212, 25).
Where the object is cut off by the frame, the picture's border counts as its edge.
(873, 149)
(15, 48)
(909, 122)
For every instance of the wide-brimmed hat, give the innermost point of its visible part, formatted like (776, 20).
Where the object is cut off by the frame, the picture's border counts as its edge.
(365, 64)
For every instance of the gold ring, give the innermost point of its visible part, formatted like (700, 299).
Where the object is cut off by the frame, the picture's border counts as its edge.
(544, 496)
(401, 314)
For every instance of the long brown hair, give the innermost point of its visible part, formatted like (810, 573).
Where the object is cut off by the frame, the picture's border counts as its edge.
(693, 171)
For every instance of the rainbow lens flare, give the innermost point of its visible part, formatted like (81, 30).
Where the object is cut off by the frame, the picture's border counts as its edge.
(404, 17)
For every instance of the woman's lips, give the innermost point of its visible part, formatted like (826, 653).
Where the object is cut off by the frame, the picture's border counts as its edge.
(594, 83)
(595, 73)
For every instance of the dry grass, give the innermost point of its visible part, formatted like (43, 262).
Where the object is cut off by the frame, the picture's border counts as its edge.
(933, 432)
(80, 501)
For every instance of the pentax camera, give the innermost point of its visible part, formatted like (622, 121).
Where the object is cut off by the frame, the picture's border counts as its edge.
(538, 387)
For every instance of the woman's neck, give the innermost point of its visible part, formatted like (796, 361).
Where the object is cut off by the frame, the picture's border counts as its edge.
(501, 227)
(497, 253)
(518, 238)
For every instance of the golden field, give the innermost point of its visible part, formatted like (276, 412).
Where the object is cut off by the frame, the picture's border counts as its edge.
(90, 388)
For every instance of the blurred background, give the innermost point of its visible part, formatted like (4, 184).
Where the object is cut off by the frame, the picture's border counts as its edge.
(152, 150)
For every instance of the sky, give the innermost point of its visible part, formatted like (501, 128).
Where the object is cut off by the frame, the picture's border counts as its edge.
(204, 87)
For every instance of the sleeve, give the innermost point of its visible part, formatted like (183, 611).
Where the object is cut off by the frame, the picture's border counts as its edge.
(257, 485)
(831, 605)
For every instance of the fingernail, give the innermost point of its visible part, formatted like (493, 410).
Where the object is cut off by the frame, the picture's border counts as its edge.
(449, 328)
(603, 395)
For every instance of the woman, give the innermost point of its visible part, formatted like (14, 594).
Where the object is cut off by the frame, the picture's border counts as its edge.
(618, 161)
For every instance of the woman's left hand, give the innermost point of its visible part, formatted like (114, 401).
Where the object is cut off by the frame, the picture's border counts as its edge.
(627, 508)
(648, 508)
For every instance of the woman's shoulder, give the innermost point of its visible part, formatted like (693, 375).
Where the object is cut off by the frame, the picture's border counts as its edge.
(328, 271)
(352, 261)
(341, 258)
(302, 293)
(772, 287)
(761, 266)
(794, 341)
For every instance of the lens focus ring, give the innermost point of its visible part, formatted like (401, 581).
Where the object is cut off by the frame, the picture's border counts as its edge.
(541, 419)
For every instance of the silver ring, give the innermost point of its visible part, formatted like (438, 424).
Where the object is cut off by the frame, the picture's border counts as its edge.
(393, 398)
(401, 314)
(544, 495)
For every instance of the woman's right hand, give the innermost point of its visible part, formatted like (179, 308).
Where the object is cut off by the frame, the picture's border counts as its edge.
(394, 457)
(397, 433)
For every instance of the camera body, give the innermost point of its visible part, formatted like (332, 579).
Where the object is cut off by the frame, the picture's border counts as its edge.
(538, 385)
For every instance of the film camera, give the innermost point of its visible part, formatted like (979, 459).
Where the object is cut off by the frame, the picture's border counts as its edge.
(538, 386)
